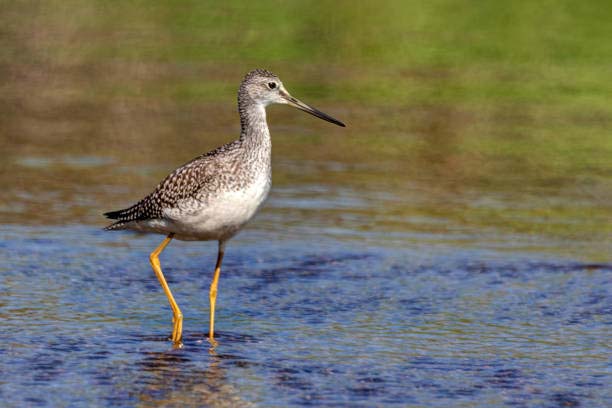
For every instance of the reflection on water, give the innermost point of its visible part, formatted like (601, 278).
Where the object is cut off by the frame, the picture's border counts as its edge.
(450, 247)
(176, 378)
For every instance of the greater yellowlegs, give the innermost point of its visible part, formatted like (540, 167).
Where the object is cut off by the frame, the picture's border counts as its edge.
(213, 196)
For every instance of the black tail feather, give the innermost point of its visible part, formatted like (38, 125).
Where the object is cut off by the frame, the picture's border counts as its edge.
(132, 213)
(114, 215)
(123, 217)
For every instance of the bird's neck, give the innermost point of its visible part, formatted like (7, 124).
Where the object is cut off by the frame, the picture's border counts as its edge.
(254, 132)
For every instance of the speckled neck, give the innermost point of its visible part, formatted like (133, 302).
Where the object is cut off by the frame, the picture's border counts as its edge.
(254, 132)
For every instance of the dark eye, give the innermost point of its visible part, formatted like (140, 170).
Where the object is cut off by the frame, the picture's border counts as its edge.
(271, 85)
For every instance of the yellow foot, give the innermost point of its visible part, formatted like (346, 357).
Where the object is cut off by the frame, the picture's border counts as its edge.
(213, 344)
(177, 330)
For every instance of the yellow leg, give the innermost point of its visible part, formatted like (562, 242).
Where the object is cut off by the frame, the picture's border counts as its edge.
(213, 290)
(177, 318)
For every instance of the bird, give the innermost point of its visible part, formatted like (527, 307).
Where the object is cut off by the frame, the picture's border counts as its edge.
(213, 196)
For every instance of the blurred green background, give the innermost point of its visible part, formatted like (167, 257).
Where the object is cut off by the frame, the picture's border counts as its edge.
(493, 116)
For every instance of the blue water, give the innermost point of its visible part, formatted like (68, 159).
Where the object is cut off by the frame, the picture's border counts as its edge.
(302, 320)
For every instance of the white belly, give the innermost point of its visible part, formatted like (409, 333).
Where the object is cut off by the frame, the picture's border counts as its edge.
(220, 218)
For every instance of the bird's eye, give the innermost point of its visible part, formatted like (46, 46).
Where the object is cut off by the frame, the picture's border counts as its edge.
(271, 85)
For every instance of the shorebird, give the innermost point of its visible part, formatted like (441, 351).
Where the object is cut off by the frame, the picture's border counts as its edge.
(214, 195)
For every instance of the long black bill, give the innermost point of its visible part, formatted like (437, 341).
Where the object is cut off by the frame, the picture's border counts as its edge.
(309, 109)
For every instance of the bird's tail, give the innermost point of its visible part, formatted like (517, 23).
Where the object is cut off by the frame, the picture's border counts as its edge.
(123, 217)
(119, 225)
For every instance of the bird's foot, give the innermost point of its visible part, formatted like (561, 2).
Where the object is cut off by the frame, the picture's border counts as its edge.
(177, 330)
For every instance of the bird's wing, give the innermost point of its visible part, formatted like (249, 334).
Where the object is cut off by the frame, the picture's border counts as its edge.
(189, 181)
(186, 182)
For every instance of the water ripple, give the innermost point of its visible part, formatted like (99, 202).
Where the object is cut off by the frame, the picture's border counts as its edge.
(332, 325)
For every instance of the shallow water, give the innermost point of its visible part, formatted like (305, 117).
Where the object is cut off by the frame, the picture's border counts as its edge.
(450, 247)
(304, 318)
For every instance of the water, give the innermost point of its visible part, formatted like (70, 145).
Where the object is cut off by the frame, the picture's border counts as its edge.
(306, 318)
(450, 247)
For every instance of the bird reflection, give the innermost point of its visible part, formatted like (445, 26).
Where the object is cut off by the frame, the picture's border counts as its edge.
(185, 377)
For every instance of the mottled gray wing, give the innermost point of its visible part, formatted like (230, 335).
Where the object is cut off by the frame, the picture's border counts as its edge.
(188, 181)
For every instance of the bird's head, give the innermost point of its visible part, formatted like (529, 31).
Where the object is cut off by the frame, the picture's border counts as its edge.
(265, 88)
